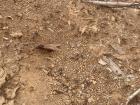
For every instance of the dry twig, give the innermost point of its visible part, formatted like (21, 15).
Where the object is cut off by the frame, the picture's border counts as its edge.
(132, 96)
(115, 4)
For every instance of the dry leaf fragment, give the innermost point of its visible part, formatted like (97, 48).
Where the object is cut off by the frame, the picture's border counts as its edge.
(46, 72)
(94, 28)
(19, 14)
(49, 47)
(83, 30)
(10, 17)
(114, 67)
(69, 23)
(102, 62)
(5, 38)
(118, 49)
(5, 27)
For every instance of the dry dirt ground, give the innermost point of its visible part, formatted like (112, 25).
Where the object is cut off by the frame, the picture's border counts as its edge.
(77, 74)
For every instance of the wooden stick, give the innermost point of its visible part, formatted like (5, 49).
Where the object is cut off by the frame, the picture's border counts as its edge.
(132, 96)
(115, 4)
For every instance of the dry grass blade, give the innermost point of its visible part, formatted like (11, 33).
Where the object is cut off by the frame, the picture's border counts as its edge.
(49, 47)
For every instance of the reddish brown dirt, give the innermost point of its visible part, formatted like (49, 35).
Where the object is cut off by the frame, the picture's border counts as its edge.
(73, 75)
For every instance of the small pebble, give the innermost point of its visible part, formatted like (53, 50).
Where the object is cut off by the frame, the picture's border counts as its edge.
(16, 34)
(45, 97)
(82, 85)
(90, 99)
(52, 65)
(19, 14)
(94, 28)
(2, 100)
(72, 44)
(23, 104)
(5, 27)
(132, 86)
(78, 44)
(127, 80)
(94, 82)
(11, 40)
(41, 28)
(112, 18)
(139, 69)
